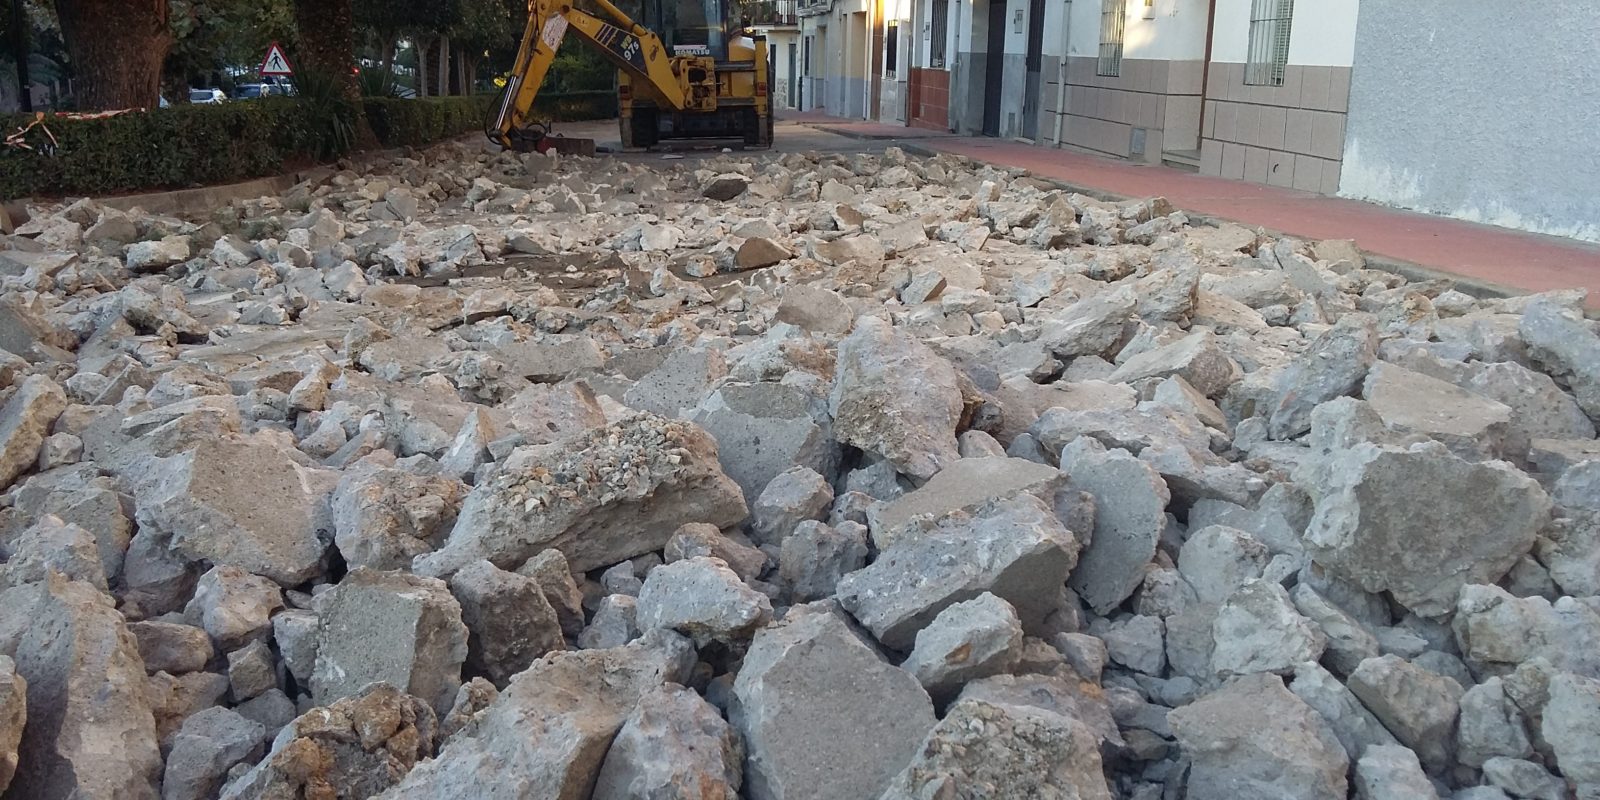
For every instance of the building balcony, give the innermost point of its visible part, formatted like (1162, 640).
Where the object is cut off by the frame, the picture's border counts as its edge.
(772, 12)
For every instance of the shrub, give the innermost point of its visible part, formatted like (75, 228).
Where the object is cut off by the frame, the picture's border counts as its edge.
(189, 145)
(172, 147)
(414, 123)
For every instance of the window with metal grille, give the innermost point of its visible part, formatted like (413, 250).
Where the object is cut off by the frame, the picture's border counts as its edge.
(938, 32)
(1270, 21)
(1113, 19)
(891, 48)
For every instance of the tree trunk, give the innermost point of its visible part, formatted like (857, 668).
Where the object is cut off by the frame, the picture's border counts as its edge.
(422, 66)
(387, 39)
(444, 65)
(461, 72)
(118, 48)
(328, 45)
(328, 40)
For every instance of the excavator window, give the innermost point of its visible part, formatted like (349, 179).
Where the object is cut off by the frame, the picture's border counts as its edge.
(688, 27)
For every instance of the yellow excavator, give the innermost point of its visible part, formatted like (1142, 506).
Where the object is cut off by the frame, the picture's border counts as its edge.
(702, 84)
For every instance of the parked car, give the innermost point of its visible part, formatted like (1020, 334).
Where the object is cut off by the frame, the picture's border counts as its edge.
(253, 91)
(206, 97)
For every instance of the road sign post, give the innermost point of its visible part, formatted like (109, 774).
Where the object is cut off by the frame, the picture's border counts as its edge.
(276, 63)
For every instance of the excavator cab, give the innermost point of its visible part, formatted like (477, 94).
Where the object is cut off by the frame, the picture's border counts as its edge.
(686, 72)
(726, 71)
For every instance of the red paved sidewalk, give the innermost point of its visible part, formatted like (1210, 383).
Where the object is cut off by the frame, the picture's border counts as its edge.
(1485, 255)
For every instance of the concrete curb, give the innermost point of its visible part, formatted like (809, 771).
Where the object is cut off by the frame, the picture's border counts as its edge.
(1409, 270)
(196, 201)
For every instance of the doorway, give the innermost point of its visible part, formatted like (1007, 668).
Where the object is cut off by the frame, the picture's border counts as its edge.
(792, 98)
(854, 102)
(994, 68)
(1034, 64)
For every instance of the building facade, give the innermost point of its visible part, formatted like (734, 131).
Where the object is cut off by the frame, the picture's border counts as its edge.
(1432, 105)
(779, 22)
(1488, 115)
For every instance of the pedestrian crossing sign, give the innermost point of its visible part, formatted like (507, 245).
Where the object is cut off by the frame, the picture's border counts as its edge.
(276, 63)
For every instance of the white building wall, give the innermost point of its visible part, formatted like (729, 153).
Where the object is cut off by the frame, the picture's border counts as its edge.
(1175, 32)
(1290, 135)
(784, 84)
(1468, 110)
(1153, 106)
(1323, 33)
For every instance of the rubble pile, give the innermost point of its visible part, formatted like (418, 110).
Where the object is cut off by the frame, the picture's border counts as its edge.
(774, 477)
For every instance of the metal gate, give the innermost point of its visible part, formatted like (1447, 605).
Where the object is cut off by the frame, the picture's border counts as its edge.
(1034, 64)
(994, 68)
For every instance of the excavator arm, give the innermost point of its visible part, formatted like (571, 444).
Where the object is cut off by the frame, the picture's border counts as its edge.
(634, 50)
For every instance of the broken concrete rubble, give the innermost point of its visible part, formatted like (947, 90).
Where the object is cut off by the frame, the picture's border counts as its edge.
(390, 627)
(822, 714)
(912, 422)
(90, 730)
(360, 745)
(548, 732)
(572, 387)
(1366, 526)
(509, 621)
(1015, 549)
(612, 494)
(983, 749)
(1252, 738)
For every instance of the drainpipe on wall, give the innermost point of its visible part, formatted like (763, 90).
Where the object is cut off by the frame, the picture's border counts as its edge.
(1066, 53)
(956, 61)
(1205, 70)
(866, 74)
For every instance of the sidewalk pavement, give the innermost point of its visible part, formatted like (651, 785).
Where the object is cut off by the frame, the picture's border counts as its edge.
(861, 129)
(1479, 257)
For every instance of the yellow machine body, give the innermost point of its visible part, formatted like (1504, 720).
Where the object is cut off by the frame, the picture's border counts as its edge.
(661, 95)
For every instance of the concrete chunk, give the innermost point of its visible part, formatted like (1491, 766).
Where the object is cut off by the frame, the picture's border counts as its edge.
(703, 599)
(894, 397)
(548, 732)
(1008, 751)
(822, 714)
(1418, 706)
(208, 501)
(391, 627)
(674, 746)
(1130, 502)
(974, 639)
(1411, 402)
(509, 622)
(963, 486)
(1253, 739)
(577, 498)
(24, 423)
(1421, 523)
(90, 731)
(1015, 549)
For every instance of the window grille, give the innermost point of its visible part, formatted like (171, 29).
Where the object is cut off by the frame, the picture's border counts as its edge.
(891, 48)
(1270, 21)
(1113, 20)
(938, 33)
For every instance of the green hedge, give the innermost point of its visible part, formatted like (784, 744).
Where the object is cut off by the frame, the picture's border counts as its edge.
(170, 147)
(414, 123)
(190, 145)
